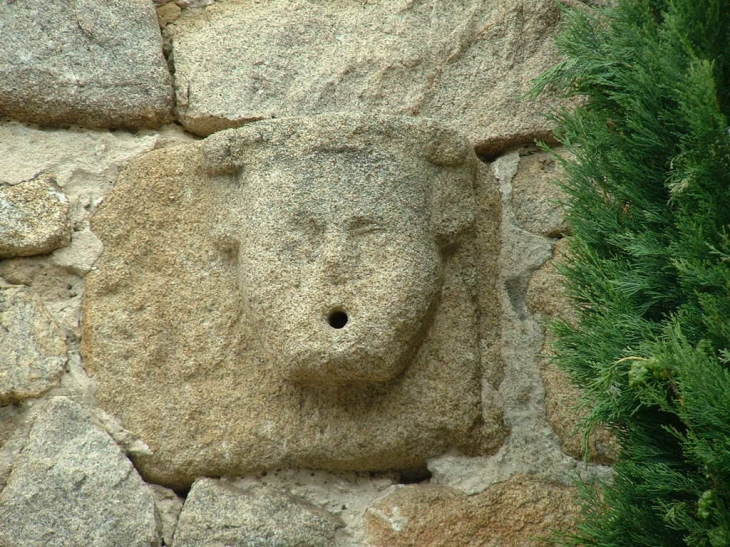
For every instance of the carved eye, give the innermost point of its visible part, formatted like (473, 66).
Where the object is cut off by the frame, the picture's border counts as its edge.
(362, 226)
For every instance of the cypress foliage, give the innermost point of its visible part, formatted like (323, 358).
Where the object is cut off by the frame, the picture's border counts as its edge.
(649, 268)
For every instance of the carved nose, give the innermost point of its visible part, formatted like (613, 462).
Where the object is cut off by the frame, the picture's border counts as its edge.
(334, 260)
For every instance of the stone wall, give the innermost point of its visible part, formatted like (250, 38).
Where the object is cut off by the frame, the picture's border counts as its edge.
(276, 273)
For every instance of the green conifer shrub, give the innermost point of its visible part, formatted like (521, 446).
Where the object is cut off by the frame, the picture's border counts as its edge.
(649, 266)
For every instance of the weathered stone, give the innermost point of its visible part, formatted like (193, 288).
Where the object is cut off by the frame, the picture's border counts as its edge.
(536, 198)
(59, 290)
(80, 256)
(72, 486)
(562, 400)
(517, 512)
(10, 418)
(84, 163)
(168, 13)
(219, 514)
(465, 62)
(344, 495)
(298, 292)
(532, 447)
(546, 290)
(14, 431)
(488, 241)
(97, 64)
(32, 349)
(168, 506)
(34, 218)
(77, 158)
(546, 296)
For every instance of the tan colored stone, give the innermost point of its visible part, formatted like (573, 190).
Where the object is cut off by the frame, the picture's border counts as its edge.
(562, 400)
(168, 506)
(59, 290)
(168, 13)
(11, 417)
(517, 512)
(71, 486)
(536, 198)
(34, 218)
(15, 425)
(219, 514)
(465, 62)
(80, 255)
(212, 326)
(97, 64)
(32, 349)
(546, 296)
(546, 290)
(344, 495)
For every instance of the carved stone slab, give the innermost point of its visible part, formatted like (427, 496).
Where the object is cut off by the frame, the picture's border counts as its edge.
(298, 292)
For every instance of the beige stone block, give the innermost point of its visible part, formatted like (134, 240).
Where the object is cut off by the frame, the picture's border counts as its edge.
(519, 512)
(562, 400)
(546, 295)
(546, 292)
(32, 348)
(300, 292)
(97, 64)
(217, 514)
(34, 218)
(467, 63)
(72, 485)
(168, 13)
(536, 197)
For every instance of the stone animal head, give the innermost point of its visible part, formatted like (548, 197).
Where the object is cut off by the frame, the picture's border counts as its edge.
(341, 225)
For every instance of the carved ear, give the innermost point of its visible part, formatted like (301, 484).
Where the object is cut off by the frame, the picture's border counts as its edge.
(226, 152)
(453, 203)
(448, 148)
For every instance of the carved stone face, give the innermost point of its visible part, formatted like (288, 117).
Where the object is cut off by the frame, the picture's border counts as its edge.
(298, 292)
(339, 268)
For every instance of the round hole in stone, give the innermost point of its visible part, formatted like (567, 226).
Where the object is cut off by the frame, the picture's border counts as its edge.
(337, 319)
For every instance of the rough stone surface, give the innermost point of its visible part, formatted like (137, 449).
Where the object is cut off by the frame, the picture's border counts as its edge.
(218, 253)
(85, 165)
(81, 254)
(546, 290)
(488, 241)
(332, 216)
(219, 514)
(32, 348)
(344, 495)
(168, 13)
(466, 62)
(536, 197)
(546, 296)
(97, 64)
(532, 448)
(514, 513)
(59, 290)
(168, 506)
(14, 430)
(565, 416)
(72, 486)
(10, 418)
(34, 218)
